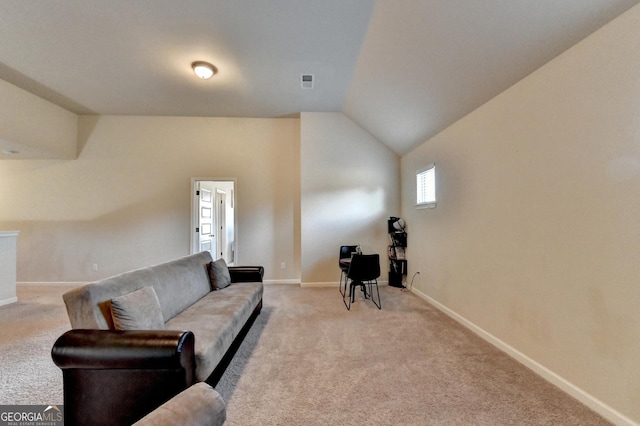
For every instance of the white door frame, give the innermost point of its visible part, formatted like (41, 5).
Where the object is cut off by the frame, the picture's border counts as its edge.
(193, 240)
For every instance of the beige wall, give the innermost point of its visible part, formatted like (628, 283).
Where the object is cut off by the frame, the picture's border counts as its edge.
(8, 247)
(33, 127)
(125, 203)
(536, 237)
(349, 187)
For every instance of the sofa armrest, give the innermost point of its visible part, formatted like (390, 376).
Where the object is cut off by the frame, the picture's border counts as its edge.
(244, 274)
(117, 377)
(198, 405)
(109, 349)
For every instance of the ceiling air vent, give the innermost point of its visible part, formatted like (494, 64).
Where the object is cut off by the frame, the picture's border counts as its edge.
(307, 81)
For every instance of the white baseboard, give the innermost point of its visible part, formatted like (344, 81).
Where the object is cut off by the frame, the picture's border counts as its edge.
(331, 284)
(320, 284)
(291, 281)
(8, 301)
(287, 281)
(51, 283)
(587, 399)
(77, 284)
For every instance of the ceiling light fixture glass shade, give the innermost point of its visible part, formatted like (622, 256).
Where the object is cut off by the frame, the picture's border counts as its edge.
(204, 70)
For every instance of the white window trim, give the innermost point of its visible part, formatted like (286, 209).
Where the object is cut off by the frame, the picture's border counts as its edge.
(428, 204)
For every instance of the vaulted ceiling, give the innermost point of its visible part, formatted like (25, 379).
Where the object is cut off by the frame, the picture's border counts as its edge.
(402, 69)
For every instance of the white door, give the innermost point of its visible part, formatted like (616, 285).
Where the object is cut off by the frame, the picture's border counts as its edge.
(213, 218)
(205, 229)
(221, 227)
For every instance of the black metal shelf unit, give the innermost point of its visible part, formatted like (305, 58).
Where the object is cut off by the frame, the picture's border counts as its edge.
(397, 258)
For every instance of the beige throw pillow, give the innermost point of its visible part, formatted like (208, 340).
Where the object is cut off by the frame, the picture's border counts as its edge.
(219, 274)
(138, 310)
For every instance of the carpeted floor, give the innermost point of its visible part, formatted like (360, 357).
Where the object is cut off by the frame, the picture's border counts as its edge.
(28, 330)
(309, 361)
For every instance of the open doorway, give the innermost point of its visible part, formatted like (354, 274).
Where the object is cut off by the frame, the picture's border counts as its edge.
(213, 218)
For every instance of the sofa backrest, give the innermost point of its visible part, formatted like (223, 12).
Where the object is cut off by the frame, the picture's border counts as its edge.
(178, 283)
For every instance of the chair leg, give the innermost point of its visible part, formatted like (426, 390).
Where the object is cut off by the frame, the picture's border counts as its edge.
(345, 295)
(343, 275)
(352, 294)
(363, 288)
(371, 284)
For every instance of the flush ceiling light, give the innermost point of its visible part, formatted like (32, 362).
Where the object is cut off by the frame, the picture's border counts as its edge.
(204, 70)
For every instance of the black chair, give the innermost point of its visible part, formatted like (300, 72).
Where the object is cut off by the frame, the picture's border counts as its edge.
(363, 271)
(344, 261)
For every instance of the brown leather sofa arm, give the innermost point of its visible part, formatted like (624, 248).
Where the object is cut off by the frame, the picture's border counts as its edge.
(117, 377)
(149, 349)
(245, 274)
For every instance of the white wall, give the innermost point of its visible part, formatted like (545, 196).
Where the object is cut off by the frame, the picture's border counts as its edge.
(125, 202)
(349, 187)
(536, 236)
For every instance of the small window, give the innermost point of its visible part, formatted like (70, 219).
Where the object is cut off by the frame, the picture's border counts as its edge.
(426, 187)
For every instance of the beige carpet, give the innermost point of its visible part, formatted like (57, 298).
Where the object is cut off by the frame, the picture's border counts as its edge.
(28, 330)
(308, 361)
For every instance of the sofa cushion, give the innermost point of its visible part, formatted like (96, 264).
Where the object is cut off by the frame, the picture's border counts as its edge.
(219, 274)
(177, 283)
(216, 320)
(138, 310)
(181, 282)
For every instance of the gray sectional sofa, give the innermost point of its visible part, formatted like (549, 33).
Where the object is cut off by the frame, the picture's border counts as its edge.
(144, 336)
(198, 405)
